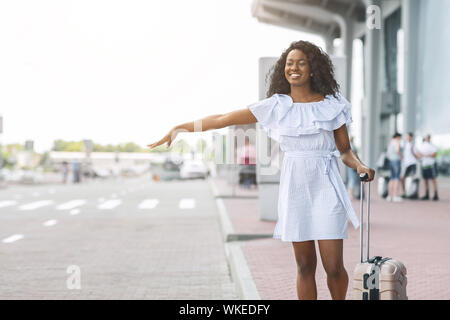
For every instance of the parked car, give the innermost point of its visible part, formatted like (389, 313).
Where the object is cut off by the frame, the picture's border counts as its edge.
(32, 177)
(4, 176)
(102, 173)
(170, 170)
(194, 169)
(443, 165)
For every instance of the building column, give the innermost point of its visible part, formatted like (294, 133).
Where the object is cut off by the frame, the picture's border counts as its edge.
(348, 51)
(267, 173)
(410, 26)
(371, 107)
(329, 47)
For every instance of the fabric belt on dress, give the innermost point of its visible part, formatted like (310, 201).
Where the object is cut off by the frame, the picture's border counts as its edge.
(334, 176)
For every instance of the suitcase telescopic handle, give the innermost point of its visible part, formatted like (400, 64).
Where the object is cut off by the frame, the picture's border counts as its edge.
(363, 177)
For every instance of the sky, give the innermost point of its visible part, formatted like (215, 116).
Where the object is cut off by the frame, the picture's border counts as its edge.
(120, 71)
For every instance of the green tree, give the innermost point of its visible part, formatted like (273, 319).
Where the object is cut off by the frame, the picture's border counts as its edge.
(201, 146)
(69, 146)
(181, 146)
(129, 147)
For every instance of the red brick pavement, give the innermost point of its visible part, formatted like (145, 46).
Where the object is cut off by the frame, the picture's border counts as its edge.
(415, 232)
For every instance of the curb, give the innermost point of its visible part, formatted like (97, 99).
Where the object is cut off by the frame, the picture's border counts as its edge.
(240, 272)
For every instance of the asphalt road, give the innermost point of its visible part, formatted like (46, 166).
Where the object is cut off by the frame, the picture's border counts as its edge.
(119, 239)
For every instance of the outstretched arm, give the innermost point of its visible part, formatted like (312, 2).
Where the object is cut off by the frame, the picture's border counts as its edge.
(348, 156)
(217, 121)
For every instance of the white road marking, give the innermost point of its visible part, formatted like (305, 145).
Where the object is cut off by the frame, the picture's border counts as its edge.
(114, 195)
(148, 204)
(18, 196)
(7, 203)
(109, 204)
(13, 238)
(51, 191)
(74, 212)
(35, 194)
(49, 223)
(71, 204)
(35, 205)
(101, 199)
(187, 203)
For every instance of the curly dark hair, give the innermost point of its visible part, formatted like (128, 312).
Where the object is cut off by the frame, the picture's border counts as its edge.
(321, 66)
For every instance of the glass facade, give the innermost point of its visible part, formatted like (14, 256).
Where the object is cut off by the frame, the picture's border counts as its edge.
(433, 83)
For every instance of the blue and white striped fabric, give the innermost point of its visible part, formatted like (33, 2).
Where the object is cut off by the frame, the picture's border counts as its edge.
(313, 203)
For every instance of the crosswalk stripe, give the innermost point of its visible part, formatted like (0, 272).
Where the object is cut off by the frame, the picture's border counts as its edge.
(148, 204)
(49, 223)
(35, 205)
(74, 212)
(71, 204)
(109, 204)
(187, 203)
(7, 203)
(13, 238)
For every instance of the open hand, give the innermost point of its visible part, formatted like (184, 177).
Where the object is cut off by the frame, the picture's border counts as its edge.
(167, 138)
(370, 172)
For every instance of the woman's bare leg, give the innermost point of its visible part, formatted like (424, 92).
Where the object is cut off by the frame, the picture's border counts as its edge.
(331, 252)
(390, 189)
(305, 256)
(435, 187)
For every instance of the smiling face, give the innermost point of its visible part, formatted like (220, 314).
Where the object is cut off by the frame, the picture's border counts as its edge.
(297, 69)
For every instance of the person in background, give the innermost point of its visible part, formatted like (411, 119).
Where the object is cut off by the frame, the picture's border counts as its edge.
(427, 153)
(409, 165)
(65, 171)
(247, 157)
(76, 169)
(352, 175)
(395, 155)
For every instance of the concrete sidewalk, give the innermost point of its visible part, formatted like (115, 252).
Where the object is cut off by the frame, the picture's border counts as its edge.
(414, 232)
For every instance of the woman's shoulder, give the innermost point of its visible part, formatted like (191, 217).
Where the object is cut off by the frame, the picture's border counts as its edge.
(279, 114)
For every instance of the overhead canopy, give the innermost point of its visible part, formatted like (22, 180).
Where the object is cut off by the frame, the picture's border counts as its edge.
(323, 17)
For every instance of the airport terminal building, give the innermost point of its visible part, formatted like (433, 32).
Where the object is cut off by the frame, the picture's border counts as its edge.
(392, 58)
(405, 54)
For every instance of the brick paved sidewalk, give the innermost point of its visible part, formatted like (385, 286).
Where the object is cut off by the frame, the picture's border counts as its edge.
(415, 232)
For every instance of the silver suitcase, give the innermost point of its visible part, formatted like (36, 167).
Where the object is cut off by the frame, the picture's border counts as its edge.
(376, 278)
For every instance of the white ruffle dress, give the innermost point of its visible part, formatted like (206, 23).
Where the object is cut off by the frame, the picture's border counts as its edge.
(313, 203)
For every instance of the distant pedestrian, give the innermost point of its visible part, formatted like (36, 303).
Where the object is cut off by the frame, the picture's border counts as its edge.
(409, 164)
(247, 159)
(76, 169)
(427, 153)
(395, 155)
(65, 171)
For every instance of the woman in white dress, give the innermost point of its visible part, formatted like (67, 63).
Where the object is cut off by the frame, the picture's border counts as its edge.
(305, 113)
